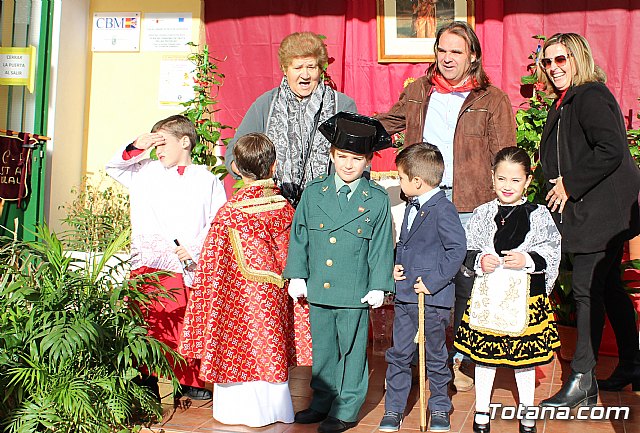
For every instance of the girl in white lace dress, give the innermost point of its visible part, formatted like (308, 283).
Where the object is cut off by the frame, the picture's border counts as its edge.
(510, 234)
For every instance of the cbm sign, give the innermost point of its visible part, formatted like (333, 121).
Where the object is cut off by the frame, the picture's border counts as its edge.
(117, 22)
(116, 31)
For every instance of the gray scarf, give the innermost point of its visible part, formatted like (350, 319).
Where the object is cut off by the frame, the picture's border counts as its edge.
(302, 154)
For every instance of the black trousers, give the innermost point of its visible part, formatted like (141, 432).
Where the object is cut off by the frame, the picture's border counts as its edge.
(597, 289)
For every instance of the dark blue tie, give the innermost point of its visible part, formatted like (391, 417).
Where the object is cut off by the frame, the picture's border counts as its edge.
(343, 198)
(414, 202)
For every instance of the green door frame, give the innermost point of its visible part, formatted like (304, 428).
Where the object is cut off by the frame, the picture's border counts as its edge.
(31, 213)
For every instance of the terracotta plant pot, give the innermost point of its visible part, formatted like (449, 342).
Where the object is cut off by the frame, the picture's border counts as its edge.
(568, 336)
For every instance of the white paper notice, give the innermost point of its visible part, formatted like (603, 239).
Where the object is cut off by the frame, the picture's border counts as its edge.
(116, 31)
(176, 82)
(166, 31)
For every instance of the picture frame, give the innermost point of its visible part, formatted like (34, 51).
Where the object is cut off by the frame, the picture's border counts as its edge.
(406, 28)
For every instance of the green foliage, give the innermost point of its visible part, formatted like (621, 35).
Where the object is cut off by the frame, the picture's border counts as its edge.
(72, 336)
(530, 122)
(97, 214)
(633, 136)
(631, 264)
(200, 110)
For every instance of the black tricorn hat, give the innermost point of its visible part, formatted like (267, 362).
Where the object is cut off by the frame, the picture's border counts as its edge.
(355, 133)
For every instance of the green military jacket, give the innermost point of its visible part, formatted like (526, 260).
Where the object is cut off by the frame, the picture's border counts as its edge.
(342, 254)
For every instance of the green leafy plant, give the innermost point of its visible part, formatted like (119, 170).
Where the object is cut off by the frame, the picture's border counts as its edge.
(97, 214)
(633, 136)
(201, 109)
(72, 340)
(631, 286)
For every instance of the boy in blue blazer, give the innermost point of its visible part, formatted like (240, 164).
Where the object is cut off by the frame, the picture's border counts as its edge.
(431, 248)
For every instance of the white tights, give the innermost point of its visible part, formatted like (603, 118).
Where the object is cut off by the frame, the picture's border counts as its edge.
(525, 380)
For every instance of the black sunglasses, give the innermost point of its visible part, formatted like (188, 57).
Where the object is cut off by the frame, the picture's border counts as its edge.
(558, 60)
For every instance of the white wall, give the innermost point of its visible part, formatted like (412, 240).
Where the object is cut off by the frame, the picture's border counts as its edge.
(68, 95)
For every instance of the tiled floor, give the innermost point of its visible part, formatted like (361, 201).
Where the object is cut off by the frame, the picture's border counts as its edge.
(193, 416)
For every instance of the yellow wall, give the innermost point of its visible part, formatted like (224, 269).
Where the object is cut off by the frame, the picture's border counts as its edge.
(101, 100)
(123, 97)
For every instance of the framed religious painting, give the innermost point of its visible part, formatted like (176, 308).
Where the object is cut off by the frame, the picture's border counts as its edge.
(407, 28)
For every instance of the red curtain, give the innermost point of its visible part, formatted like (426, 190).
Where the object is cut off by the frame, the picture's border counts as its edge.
(247, 34)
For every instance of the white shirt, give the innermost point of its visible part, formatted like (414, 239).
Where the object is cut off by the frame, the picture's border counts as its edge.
(422, 199)
(166, 206)
(440, 126)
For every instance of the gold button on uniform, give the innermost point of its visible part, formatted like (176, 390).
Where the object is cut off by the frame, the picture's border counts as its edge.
(327, 285)
(359, 231)
(329, 262)
(332, 240)
(321, 225)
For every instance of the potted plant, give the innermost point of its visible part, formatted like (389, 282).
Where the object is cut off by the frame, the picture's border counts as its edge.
(72, 340)
(95, 217)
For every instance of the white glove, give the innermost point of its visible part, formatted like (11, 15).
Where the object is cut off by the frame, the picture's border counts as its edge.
(297, 288)
(375, 298)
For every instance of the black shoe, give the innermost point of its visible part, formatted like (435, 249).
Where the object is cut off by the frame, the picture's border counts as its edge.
(527, 429)
(391, 421)
(581, 389)
(625, 373)
(309, 416)
(195, 393)
(335, 425)
(439, 421)
(481, 428)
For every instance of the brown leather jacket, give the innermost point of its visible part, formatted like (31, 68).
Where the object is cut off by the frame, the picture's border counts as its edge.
(485, 125)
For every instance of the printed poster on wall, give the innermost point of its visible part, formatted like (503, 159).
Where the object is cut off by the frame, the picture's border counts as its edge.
(116, 31)
(166, 31)
(176, 81)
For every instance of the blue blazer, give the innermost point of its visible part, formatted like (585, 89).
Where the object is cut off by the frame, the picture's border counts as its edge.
(433, 249)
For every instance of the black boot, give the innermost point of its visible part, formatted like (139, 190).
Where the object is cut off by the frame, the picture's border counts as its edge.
(627, 372)
(581, 389)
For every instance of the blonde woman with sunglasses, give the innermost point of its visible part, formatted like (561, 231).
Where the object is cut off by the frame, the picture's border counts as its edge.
(593, 185)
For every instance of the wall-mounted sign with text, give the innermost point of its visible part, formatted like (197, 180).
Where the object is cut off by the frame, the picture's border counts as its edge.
(116, 31)
(18, 66)
(166, 31)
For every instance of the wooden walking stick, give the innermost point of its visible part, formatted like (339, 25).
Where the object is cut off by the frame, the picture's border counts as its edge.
(421, 364)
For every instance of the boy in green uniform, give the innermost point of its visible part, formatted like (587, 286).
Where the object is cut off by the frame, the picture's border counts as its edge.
(341, 259)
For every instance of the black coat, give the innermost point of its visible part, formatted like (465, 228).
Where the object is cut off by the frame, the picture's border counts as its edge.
(599, 174)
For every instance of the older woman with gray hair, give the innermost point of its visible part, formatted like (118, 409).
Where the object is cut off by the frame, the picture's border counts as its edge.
(290, 114)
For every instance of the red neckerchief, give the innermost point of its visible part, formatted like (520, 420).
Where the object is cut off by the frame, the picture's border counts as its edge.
(561, 97)
(442, 86)
(181, 169)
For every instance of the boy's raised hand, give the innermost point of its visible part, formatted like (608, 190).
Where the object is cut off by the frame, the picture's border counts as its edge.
(374, 298)
(148, 140)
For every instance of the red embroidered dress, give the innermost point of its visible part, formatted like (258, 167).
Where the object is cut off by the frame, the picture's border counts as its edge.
(240, 319)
